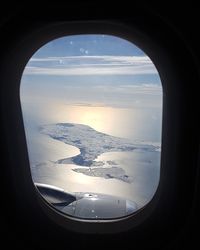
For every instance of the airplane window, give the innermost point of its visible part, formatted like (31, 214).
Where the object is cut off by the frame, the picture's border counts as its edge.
(92, 112)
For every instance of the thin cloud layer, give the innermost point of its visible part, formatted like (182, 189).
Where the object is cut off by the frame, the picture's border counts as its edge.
(90, 65)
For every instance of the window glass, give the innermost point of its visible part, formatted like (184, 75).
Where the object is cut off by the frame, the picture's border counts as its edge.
(92, 110)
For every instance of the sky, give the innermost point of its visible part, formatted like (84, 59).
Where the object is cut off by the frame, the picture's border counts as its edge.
(92, 69)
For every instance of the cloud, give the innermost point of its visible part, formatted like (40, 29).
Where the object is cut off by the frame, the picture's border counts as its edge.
(98, 70)
(90, 65)
(135, 89)
(125, 59)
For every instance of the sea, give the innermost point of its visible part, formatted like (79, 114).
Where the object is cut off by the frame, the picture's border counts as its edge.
(140, 125)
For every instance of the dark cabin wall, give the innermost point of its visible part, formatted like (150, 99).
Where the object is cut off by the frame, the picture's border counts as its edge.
(22, 224)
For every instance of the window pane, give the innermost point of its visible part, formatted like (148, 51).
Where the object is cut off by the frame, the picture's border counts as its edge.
(92, 110)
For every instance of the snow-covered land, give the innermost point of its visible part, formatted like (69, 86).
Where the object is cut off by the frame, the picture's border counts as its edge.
(91, 144)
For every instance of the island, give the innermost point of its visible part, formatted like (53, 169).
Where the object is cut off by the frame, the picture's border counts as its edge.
(91, 144)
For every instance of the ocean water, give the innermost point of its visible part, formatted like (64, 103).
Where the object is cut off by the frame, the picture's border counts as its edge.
(136, 124)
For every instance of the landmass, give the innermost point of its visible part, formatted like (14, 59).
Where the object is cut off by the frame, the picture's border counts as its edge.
(107, 173)
(91, 144)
